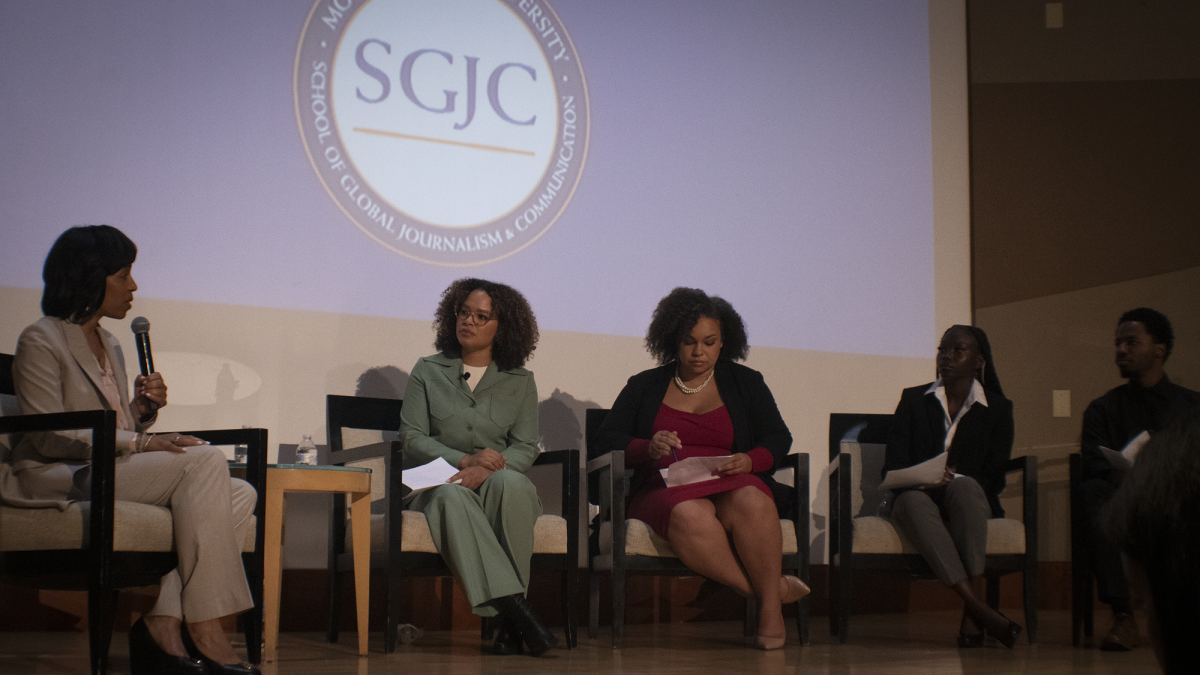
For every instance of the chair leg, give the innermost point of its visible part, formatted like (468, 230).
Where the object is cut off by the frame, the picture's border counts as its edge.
(1089, 610)
(333, 620)
(618, 606)
(395, 589)
(102, 605)
(802, 620)
(593, 605)
(570, 589)
(1029, 585)
(750, 620)
(843, 604)
(252, 620)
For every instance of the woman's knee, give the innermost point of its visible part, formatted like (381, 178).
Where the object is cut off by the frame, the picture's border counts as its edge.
(964, 493)
(747, 504)
(697, 516)
(244, 497)
(912, 503)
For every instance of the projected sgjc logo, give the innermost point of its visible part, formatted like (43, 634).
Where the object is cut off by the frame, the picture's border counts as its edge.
(451, 131)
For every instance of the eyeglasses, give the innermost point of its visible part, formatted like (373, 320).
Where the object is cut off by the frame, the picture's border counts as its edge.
(478, 318)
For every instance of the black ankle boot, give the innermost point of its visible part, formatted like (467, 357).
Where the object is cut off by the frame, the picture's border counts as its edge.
(508, 640)
(516, 612)
(147, 658)
(212, 667)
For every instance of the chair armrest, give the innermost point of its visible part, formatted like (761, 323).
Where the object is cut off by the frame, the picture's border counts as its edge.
(841, 532)
(1028, 466)
(569, 459)
(610, 468)
(798, 462)
(103, 424)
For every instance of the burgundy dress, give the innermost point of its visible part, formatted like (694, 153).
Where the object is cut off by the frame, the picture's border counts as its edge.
(707, 435)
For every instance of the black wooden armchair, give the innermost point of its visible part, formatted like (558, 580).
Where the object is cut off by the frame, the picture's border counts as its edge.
(104, 545)
(621, 546)
(403, 546)
(861, 540)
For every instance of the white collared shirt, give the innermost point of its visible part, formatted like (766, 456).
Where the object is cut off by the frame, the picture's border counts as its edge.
(976, 395)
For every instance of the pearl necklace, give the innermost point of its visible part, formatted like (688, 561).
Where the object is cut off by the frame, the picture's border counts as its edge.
(688, 390)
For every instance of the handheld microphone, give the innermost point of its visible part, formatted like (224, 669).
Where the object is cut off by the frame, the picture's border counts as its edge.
(141, 334)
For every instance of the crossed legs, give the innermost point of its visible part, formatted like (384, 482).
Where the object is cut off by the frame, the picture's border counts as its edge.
(211, 514)
(734, 538)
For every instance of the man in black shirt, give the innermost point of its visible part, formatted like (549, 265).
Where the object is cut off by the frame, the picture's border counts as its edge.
(1147, 403)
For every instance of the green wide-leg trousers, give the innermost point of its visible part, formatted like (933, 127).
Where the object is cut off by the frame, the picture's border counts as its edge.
(484, 535)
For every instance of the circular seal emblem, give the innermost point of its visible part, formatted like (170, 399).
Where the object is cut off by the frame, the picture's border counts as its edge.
(450, 131)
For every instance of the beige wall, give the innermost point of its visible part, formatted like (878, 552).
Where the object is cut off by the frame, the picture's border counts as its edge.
(1065, 342)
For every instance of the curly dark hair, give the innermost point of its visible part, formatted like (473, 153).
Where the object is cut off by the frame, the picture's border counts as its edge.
(1156, 324)
(516, 331)
(676, 315)
(77, 269)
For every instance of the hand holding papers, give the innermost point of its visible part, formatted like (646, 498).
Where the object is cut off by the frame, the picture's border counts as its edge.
(1124, 459)
(429, 475)
(926, 473)
(692, 470)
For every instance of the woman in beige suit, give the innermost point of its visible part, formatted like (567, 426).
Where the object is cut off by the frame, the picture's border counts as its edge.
(66, 362)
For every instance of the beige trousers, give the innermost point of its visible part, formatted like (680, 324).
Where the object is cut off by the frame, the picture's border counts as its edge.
(211, 514)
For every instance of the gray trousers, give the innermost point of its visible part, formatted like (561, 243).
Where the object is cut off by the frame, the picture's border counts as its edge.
(211, 513)
(485, 535)
(948, 526)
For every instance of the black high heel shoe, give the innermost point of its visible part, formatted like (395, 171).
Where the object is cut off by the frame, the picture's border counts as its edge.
(969, 641)
(147, 658)
(212, 667)
(517, 613)
(1008, 636)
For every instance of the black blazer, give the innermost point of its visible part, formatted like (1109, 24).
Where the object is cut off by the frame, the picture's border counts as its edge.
(751, 407)
(981, 447)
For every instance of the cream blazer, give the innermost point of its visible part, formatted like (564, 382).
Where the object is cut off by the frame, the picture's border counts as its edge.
(54, 370)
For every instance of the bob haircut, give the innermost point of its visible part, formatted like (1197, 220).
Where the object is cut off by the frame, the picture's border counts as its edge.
(516, 330)
(77, 270)
(676, 315)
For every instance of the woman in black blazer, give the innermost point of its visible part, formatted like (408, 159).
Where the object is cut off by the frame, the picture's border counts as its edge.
(963, 413)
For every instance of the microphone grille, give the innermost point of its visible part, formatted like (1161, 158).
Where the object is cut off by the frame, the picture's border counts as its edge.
(140, 325)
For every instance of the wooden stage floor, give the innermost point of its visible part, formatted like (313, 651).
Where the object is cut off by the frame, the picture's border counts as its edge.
(912, 644)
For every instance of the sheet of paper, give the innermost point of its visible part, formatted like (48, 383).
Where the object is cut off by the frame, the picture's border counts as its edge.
(925, 473)
(1124, 459)
(692, 470)
(429, 475)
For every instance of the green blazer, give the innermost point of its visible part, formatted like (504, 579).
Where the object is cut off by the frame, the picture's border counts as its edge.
(442, 417)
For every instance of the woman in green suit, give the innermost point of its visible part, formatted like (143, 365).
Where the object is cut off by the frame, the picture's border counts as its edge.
(473, 405)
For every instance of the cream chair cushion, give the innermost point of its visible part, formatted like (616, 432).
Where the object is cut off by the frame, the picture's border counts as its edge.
(549, 534)
(640, 539)
(136, 527)
(873, 534)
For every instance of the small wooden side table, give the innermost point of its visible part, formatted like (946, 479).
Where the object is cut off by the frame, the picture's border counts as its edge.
(284, 478)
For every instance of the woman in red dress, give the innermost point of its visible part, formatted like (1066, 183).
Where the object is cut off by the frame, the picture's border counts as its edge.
(698, 402)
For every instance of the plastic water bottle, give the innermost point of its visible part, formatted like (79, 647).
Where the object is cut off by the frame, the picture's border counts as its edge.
(306, 452)
(240, 451)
